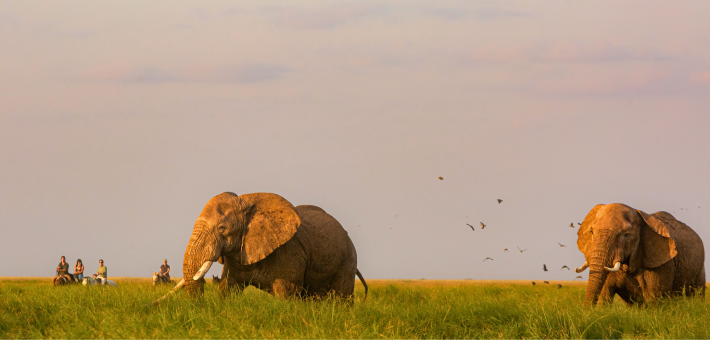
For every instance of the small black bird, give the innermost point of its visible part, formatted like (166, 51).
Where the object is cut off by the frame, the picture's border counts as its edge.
(470, 226)
(533, 283)
(579, 223)
(561, 245)
(488, 258)
(559, 286)
(499, 201)
(441, 178)
(571, 225)
(483, 226)
(544, 267)
(579, 277)
(521, 250)
(546, 282)
(563, 267)
(505, 250)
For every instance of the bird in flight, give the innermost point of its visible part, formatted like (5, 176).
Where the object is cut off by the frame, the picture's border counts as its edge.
(505, 250)
(521, 250)
(563, 267)
(487, 258)
(441, 178)
(546, 282)
(579, 223)
(579, 277)
(500, 201)
(571, 225)
(544, 267)
(395, 216)
(470, 226)
(483, 226)
(561, 245)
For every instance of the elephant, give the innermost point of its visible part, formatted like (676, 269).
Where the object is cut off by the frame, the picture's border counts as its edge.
(638, 256)
(264, 241)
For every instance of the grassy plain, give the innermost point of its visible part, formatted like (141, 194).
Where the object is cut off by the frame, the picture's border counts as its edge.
(394, 309)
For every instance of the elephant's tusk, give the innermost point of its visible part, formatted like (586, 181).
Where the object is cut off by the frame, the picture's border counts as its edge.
(582, 268)
(617, 265)
(201, 273)
(177, 287)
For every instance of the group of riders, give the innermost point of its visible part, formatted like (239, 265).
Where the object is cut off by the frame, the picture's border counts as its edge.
(63, 275)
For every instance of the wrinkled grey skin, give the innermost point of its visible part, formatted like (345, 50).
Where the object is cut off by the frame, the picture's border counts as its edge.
(659, 255)
(262, 240)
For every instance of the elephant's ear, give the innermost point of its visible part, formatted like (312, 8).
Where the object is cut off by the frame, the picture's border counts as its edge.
(656, 244)
(584, 236)
(271, 222)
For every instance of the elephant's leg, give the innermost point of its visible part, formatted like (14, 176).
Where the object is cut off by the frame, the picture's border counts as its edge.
(658, 281)
(230, 283)
(625, 295)
(700, 283)
(343, 283)
(606, 295)
(286, 288)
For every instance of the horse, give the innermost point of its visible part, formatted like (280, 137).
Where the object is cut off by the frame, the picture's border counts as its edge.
(90, 281)
(63, 279)
(158, 279)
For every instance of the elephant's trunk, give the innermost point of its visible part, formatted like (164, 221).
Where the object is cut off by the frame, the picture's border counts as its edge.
(599, 257)
(204, 246)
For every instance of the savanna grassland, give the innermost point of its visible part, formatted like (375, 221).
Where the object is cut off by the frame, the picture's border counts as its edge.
(393, 309)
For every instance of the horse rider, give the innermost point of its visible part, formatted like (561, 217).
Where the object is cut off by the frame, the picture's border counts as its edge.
(164, 273)
(63, 269)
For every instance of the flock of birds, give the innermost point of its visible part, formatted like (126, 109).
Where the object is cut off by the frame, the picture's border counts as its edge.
(544, 266)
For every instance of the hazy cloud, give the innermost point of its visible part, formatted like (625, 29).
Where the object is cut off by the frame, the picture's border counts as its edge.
(321, 18)
(482, 13)
(700, 77)
(608, 81)
(247, 74)
(579, 53)
(42, 31)
(564, 53)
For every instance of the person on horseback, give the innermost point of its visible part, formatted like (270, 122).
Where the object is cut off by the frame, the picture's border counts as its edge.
(63, 270)
(79, 270)
(102, 273)
(164, 273)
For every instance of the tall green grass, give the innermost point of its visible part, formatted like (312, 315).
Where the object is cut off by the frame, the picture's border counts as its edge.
(34, 309)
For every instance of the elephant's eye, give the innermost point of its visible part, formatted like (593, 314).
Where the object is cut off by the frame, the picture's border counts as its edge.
(221, 229)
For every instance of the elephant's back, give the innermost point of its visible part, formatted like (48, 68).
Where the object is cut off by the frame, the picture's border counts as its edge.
(325, 242)
(319, 230)
(690, 259)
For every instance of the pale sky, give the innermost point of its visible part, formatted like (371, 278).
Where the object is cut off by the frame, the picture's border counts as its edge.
(119, 121)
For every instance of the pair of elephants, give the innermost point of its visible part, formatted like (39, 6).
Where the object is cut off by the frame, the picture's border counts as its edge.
(263, 240)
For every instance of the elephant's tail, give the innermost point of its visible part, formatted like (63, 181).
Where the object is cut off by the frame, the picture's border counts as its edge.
(357, 271)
